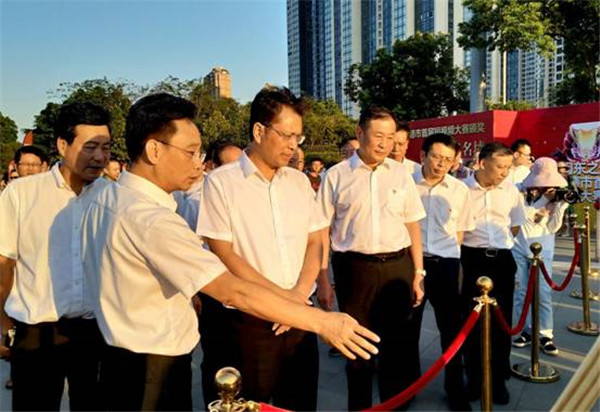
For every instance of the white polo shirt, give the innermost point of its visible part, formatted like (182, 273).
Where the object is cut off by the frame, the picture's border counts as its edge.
(144, 265)
(267, 222)
(368, 208)
(496, 210)
(448, 209)
(411, 167)
(40, 224)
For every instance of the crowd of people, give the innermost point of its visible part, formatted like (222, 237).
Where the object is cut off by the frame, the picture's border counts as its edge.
(110, 282)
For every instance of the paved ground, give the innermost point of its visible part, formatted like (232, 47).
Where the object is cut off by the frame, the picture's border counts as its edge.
(524, 396)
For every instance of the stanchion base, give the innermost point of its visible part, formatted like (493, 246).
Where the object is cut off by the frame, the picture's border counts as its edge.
(577, 294)
(546, 373)
(580, 329)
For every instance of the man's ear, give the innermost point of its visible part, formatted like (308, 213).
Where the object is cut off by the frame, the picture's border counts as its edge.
(61, 146)
(422, 156)
(153, 151)
(257, 132)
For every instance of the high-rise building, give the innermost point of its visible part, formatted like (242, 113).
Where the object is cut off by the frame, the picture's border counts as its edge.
(218, 82)
(325, 37)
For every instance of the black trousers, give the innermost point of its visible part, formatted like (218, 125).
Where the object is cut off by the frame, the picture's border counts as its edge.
(219, 345)
(378, 295)
(442, 289)
(500, 266)
(43, 355)
(145, 382)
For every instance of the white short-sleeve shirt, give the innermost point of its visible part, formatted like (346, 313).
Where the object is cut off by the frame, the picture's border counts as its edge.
(448, 209)
(496, 210)
(267, 222)
(144, 265)
(368, 208)
(40, 223)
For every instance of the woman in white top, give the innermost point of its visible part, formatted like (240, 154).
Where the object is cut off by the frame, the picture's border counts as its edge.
(544, 218)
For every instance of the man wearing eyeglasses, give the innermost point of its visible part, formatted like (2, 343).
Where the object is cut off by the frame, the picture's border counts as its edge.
(260, 218)
(446, 202)
(30, 160)
(521, 162)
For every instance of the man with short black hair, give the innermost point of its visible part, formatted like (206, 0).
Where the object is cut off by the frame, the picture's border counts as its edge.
(42, 286)
(447, 203)
(400, 148)
(499, 211)
(145, 265)
(30, 160)
(373, 208)
(112, 171)
(348, 147)
(521, 161)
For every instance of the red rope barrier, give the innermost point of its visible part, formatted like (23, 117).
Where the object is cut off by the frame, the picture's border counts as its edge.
(432, 372)
(567, 280)
(500, 317)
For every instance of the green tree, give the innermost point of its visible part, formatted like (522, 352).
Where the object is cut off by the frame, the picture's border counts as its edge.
(509, 105)
(326, 124)
(43, 131)
(534, 25)
(8, 140)
(416, 80)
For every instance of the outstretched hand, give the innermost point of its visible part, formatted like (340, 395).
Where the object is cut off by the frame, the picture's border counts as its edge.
(348, 336)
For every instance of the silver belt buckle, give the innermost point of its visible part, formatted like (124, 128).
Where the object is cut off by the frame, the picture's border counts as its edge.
(491, 253)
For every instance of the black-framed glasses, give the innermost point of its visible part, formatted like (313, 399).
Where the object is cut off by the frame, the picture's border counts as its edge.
(197, 155)
(287, 136)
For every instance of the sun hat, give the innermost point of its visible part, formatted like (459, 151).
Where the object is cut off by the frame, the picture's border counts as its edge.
(544, 173)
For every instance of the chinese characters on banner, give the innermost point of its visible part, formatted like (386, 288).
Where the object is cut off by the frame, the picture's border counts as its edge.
(469, 147)
(582, 148)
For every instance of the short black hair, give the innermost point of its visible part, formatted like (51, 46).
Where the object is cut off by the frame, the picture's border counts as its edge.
(402, 125)
(317, 159)
(373, 113)
(519, 143)
(345, 141)
(71, 115)
(269, 102)
(442, 138)
(34, 150)
(214, 150)
(494, 148)
(153, 116)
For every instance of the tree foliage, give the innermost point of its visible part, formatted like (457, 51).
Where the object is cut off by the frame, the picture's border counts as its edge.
(416, 80)
(534, 25)
(509, 105)
(326, 124)
(8, 140)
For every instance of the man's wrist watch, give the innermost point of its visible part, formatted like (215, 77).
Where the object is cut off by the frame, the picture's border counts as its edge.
(421, 272)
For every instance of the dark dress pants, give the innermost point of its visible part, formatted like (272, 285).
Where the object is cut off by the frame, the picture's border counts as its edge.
(43, 355)
(442, 289)
(283, 370)
(145, 382)
(500, 266)
(378, 295)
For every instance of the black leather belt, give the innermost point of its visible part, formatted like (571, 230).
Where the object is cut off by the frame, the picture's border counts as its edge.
(488, 252)
(377, 257)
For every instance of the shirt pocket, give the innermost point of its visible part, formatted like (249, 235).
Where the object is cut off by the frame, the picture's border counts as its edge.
(395, 202)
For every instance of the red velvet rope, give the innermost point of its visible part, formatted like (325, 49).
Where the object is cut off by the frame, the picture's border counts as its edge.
(567, 280)
(427, 377)
(524, 311)
(432, 372)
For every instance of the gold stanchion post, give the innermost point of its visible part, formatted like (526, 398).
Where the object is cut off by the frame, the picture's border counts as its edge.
(485, 285)
(587, 327)
(229, 384)
(585, 234)
(534, 371)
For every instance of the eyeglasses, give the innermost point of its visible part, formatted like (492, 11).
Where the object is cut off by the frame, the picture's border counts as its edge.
(195, 156)
(445, 159)
(530, 157)
(30, 165)
(285, 136)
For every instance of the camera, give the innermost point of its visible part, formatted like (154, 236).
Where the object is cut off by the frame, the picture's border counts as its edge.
(569, 196)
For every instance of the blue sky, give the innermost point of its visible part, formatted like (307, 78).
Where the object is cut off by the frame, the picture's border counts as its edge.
(45, 43)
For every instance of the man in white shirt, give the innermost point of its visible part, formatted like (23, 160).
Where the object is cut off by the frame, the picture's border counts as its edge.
(521, 161)
(374, 209)
(145, 265)
(486, 251)
(446, 202)
(42, 287)
(261, 219)
(401, 142)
